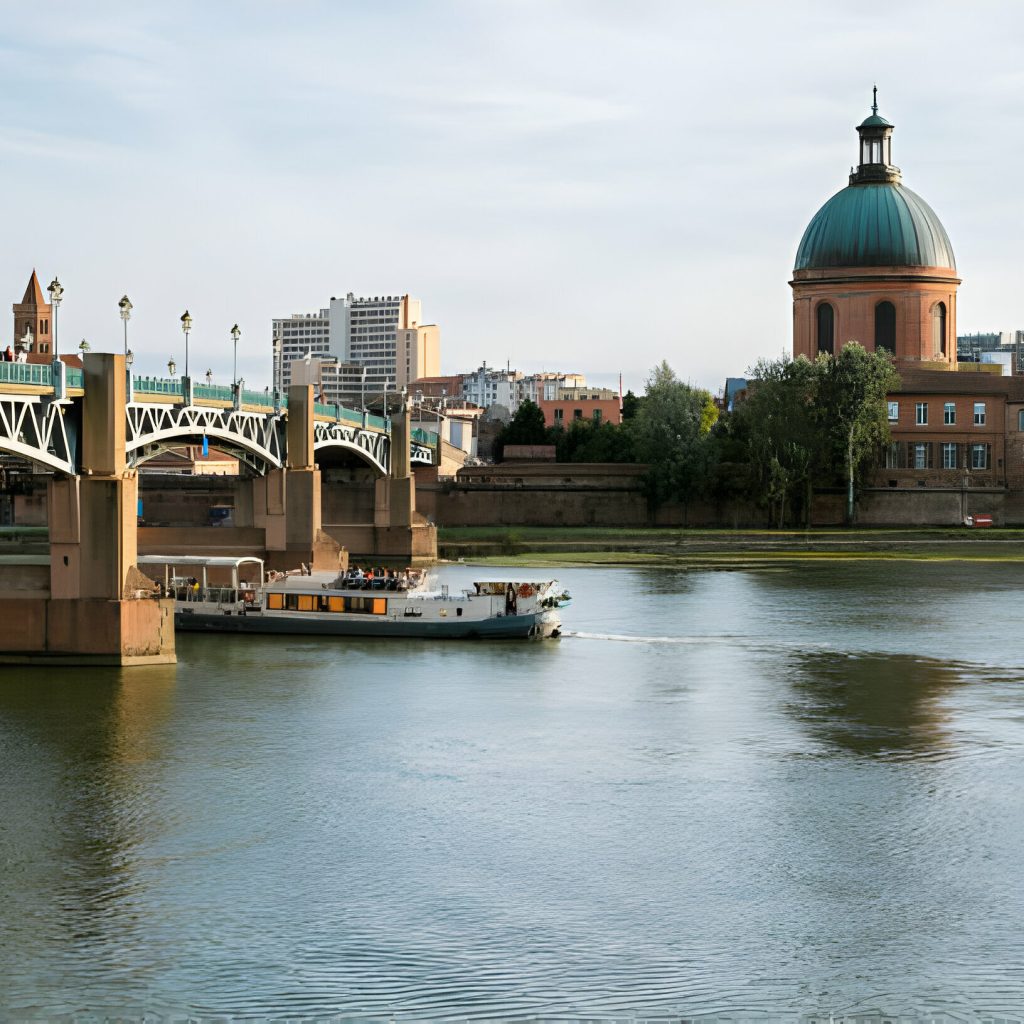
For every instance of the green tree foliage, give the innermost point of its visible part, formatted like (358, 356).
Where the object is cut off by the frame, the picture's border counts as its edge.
(852, 405)
(810, 424)
(527, 427)
(630, 405)
(587, 441)
(777, 425)
(671, 433)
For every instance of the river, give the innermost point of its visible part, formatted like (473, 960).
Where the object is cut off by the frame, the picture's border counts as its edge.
(752, 795)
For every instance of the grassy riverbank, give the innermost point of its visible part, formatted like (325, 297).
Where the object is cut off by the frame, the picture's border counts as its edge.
(556, 546)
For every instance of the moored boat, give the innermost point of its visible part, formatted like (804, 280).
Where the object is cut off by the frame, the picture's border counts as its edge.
(236, 595)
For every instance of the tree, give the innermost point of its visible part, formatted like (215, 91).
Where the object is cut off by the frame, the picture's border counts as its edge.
(781, 434)
(587, 441)
(630, 405)
(527, 427)
(852, 405)
(805, 424)
(670, 432)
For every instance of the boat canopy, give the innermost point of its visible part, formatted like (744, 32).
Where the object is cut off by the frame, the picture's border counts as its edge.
(212, 561)
(172, 563)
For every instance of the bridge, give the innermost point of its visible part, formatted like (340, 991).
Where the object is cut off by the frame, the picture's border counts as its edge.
(40, 420)
(92, 429)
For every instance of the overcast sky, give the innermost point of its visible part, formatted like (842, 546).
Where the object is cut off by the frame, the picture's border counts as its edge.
(579, 185)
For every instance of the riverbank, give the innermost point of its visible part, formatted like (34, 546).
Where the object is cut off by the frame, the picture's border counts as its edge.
(557, 546)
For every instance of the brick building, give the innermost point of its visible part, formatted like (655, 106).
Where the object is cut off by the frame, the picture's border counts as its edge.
(876, 266)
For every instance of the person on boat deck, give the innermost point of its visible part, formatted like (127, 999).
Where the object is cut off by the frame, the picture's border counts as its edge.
(358, 573)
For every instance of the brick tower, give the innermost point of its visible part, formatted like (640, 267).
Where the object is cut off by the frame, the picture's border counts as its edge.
(32, 319)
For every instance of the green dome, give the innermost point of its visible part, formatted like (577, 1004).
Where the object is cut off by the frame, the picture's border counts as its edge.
(875, 225)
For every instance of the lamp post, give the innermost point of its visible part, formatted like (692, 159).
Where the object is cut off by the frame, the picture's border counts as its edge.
(125, 307)
(56, 294)
(186, 326)
(129, 358)
(171, 366)
(84, 346)
(278, 374)
(56, 290)
(235, 335)
(209, 377)
(186, 380)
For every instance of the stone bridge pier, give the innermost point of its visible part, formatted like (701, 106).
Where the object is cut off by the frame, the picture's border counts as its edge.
(287, 503)
(97, 609)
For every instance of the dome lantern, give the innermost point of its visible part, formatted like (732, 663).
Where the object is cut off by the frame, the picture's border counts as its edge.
(875, 149)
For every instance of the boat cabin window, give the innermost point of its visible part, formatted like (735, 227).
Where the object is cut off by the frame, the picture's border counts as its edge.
(327, 603)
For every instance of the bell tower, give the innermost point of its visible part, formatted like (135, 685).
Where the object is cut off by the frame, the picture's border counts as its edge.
(32, 319)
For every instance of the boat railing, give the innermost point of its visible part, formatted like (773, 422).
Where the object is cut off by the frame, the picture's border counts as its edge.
(193, 594)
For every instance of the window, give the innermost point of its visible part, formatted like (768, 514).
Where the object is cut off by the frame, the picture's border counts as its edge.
(894, 411)
(922, 414)
(1020, 420)
(826, 328)
(949, 456)
(979, 456)
(597, 415)
(891, 456)
(939, 329)
(922, 455)
(885, 327)
(979, 414)
(577, 414)
(559, 416)
(949, 414)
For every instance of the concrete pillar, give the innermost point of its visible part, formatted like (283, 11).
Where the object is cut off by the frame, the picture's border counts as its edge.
(287, 502)
(92, 615)
(400, 534)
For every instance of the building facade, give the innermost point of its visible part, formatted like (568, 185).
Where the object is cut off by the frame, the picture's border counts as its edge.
(364, 346)
(596, 405)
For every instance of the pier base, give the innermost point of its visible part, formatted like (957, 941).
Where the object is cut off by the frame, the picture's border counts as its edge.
(86, 631)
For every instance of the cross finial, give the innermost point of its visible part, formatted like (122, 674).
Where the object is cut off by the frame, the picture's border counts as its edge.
(874, 100)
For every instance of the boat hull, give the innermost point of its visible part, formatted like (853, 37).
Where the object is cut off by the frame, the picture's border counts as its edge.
(507, 627)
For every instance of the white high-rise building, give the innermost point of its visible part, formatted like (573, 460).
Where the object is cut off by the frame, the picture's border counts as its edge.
(361, 337)
(297, 336)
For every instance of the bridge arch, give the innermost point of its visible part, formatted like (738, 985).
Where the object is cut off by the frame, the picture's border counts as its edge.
(371, 447)
(253, 437)
(33, 427)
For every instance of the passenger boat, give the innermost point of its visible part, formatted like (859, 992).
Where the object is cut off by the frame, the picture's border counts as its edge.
(236, 595)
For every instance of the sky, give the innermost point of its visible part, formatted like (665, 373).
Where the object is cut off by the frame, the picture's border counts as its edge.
(573, 185)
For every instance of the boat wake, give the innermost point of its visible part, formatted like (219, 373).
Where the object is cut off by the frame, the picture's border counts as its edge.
(626, 638)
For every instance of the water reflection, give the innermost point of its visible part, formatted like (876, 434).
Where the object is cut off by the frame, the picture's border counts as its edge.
(887, 706)
(86, 746)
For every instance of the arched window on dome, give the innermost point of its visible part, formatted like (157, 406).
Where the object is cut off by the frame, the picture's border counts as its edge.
(939, 329)
(826, 328)
(885, 327)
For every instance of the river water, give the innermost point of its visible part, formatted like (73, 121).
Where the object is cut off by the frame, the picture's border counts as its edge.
(771, 795)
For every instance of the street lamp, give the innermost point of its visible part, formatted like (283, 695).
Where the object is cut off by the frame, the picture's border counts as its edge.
(56, 291)
(84, 346)
(129, 358)
(171, 366)
(235, 335)
(125, 307)
(209, 377)
(186, 326)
